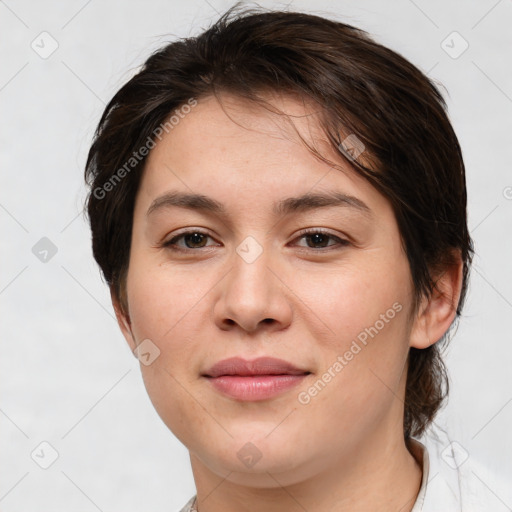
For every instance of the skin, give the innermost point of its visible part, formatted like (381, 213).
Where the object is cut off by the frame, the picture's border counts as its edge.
(299, 301)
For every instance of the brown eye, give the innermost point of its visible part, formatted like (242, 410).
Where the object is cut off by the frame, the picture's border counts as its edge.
(190, 240)
(317, 239)
(194, 240)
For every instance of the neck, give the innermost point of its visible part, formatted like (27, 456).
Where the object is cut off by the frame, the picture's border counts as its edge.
(379, 474)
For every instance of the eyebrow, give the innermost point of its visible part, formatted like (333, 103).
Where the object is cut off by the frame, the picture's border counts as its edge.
(303, 203)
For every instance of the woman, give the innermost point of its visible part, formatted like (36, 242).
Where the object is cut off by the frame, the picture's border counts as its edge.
(279, 208)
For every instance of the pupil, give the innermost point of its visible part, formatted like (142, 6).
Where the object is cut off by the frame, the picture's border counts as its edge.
(195, 238)
(319, 238)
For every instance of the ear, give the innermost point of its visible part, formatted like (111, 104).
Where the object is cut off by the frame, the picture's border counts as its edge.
(123, 319)
(436, 314)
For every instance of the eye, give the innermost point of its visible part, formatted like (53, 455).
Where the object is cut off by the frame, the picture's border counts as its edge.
(195, 239)
(319, 239)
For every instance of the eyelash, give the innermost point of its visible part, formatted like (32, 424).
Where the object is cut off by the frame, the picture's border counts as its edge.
(171, 244)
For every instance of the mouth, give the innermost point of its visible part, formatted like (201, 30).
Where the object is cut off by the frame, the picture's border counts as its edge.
(259, 379)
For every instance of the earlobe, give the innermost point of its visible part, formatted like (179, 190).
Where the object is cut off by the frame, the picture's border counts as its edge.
(123, 320)
(436, 314)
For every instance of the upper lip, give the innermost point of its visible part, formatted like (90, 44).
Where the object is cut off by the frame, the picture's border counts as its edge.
(259, 366)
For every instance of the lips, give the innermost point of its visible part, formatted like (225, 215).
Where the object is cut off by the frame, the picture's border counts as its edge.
(259, 366)
(259, 379)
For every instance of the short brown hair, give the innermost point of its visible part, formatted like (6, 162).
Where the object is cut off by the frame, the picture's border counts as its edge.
(362, 87)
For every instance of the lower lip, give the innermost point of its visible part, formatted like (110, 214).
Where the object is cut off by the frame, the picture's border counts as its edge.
(255, 387)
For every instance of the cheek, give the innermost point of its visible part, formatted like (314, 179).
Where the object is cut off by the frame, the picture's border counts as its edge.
(167, 308)
(360, 378)
(365, 348)
(356, 296)
(163, 302)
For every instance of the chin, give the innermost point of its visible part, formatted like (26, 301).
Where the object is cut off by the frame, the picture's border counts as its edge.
(270, 471)
(256, 452)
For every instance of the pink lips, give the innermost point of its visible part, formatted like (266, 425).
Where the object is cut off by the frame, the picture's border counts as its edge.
(259, 379)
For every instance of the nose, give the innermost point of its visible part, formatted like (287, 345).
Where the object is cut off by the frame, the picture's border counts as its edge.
(253, 297)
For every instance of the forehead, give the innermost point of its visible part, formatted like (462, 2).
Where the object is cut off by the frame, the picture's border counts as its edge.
(232, 148)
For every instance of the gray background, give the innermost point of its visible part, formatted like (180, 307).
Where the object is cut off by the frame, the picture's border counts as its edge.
(67, 376)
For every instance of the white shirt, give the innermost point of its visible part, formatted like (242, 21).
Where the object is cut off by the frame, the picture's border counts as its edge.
(452, 481)
(455, 480)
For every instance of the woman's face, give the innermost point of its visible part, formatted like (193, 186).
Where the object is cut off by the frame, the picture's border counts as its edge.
(251, 284)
